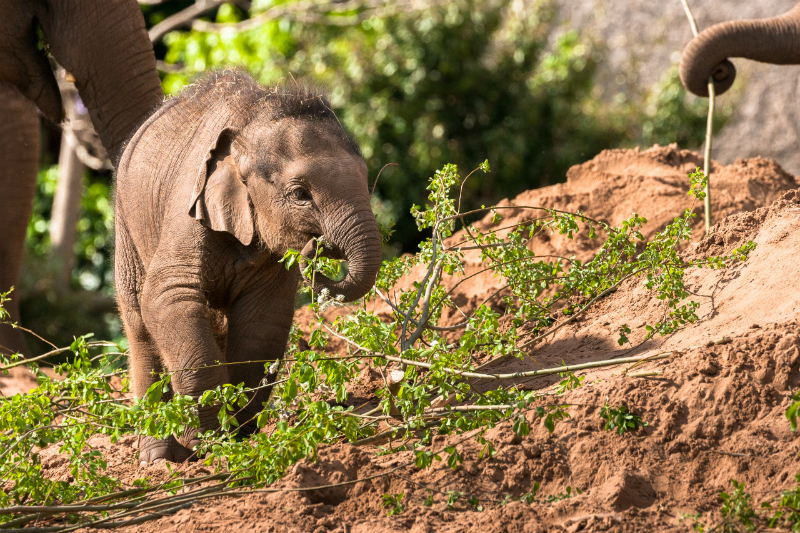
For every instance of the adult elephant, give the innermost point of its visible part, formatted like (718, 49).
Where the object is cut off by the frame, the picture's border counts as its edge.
(104, 45)
(772, 40)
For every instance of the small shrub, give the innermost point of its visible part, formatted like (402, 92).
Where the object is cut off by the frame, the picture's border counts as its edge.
(568, 493)
(394, 503)
(530, 496)
(794, 410)
(786, 514)
(620, 419)
(737, 509)
(570, 382)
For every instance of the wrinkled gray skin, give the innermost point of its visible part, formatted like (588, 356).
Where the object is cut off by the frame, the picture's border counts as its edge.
(104, 44)
(773, 40)
(211, 192)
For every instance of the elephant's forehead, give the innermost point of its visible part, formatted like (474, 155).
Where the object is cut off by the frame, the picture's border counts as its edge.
(322, 163)
(293, 138)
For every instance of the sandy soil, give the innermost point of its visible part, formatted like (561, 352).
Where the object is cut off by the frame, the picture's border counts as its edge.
(715, 413)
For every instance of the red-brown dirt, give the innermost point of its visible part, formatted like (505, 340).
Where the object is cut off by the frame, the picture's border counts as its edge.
(715, 413)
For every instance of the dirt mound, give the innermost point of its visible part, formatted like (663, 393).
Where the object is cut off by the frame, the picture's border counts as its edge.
(714, 413)
(610, 188)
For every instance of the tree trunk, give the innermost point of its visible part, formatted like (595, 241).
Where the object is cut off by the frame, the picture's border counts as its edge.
(67, 201)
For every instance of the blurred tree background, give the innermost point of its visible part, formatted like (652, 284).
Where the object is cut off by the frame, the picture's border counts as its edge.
(419, 84)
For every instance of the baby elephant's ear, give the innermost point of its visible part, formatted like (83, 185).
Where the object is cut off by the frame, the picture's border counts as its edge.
(220, 200)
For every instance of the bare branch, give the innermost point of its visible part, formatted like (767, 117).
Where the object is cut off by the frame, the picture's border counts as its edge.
(536, 373)
(427, 326)
(169, 68)
(312, 13)
(182, 18)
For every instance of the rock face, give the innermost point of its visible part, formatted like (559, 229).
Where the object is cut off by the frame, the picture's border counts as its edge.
(644, 38)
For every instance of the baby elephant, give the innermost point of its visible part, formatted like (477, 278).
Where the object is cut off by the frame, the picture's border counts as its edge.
(211, 192)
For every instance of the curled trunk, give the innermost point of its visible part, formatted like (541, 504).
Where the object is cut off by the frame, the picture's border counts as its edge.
(773, 40)
(357, 240)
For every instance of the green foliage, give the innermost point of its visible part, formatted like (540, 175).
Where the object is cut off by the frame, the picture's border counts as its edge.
(620, 419)
(570, 382)
(95, 240)
(786, 514)
(475, 503)
(793, 410)
(568, 493)
(45, 309)
(394, 503)
(737, 509)
(68, 410)
(452, 498)
(530, 496)
(309, 387)
(445, 83)
(697, 524)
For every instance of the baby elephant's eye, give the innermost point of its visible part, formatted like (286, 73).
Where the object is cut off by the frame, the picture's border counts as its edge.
(301, 195)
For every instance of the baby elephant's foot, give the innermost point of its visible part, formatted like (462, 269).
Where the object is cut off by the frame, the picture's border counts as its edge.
(152, 450)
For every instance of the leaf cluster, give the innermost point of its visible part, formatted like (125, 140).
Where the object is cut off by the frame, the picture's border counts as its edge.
(621, 420)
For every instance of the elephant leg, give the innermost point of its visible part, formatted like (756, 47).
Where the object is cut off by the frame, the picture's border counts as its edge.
(19, 162)
(259, 323)
(176, 314)
(145, 362)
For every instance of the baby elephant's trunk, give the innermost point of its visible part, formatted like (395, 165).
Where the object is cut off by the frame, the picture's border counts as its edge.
(356, 238)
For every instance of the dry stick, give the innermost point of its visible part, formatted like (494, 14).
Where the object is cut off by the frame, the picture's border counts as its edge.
(50, 354)
(709, 127)
(183, 500)
(204, 494)
(110, 525)
(645, 374)
(182, 18)
(732, 454)
(536, 373)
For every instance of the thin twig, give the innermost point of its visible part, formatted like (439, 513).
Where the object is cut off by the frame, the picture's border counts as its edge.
(182, 18)
(732, 454)
(374, 183)
(709, 128)
(52, 353)
(427, 326)
(582, 310)
(310, 13)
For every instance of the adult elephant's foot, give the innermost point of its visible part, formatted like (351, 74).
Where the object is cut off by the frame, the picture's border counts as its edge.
(152, 450)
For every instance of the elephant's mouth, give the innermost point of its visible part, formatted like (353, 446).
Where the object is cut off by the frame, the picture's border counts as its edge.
(329, 249)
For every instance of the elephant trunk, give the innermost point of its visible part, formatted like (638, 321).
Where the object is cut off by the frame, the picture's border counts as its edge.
(105, 46)
(773, 40)
(356, 239)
